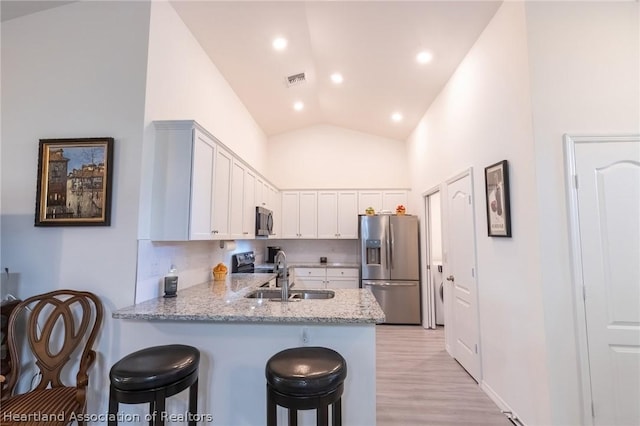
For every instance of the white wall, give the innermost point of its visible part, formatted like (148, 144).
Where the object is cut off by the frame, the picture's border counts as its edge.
(183, 83)
(74, 71)
(482, 116)
(325, 157)
(584, 64)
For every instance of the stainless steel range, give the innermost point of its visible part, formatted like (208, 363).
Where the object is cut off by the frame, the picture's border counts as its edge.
(246, 263)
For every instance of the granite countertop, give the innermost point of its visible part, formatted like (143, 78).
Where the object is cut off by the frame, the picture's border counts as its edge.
(224, 301)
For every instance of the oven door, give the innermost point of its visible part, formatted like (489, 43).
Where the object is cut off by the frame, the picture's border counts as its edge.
(264, 222)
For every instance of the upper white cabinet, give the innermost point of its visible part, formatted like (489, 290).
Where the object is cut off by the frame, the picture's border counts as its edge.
(248, 205)
(338, 214)
(299, 214)
(381, 200)
(200, 189)
(221, 194)
(242, 208)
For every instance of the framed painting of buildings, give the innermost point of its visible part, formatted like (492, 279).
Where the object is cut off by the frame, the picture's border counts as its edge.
(74, 182)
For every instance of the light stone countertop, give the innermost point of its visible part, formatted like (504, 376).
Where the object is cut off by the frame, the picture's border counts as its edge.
(224, 301)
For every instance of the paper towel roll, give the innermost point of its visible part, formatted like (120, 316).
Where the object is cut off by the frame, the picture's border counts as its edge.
(229, 245)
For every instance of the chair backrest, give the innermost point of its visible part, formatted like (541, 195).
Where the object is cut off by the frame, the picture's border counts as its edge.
(58, 323)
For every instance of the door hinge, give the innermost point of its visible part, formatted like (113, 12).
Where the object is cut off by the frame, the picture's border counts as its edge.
(469, 199)
(476, 348)
(575, 181)
(593, 411)
(473, 272)
(428, 267)
(584, 293)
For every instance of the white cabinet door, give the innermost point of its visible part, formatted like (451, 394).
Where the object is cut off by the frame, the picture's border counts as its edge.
(221, 194)
(343, 278)
(308, 210)
(249, 205)
(201, 187)
(368, 199)
(347, 215)
(277, 213)
(392, 199)
(313, 278)
(327, 214)
(290, 213)
(236, 206)
(260, 195)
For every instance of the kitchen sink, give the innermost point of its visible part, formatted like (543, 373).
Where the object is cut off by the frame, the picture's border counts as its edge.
(312, 294)
(265, 294)
(294, 295)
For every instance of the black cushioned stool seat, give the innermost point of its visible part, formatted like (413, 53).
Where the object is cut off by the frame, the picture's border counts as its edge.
(152, 375)
(306, 378)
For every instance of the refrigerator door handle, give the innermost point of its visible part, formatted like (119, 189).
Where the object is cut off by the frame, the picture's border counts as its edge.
(387, 284)
(392, 246)
(388, 248)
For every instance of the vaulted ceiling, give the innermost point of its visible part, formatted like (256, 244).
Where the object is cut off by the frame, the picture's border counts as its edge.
(372, 44)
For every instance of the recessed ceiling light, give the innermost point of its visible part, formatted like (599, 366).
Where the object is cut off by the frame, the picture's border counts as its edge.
(336, 77)
(298, 106)
(280, 43)
(396, 116)
(424, 57)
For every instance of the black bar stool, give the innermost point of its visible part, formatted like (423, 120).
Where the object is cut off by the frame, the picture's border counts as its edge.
(152, 375)
(306, 378)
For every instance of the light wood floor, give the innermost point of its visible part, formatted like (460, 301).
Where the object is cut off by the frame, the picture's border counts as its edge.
(419, 384)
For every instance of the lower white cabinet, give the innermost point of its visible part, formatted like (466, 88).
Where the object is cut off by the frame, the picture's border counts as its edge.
(326, 278)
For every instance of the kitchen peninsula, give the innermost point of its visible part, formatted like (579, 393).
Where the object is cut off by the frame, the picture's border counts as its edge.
(237, 335)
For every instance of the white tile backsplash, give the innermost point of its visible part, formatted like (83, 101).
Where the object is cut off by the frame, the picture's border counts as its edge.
(194, 259)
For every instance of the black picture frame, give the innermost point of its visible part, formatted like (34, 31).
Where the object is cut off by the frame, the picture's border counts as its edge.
(496, 178)
(74, 182)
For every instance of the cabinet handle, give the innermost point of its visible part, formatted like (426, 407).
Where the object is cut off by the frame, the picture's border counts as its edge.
(246, 233)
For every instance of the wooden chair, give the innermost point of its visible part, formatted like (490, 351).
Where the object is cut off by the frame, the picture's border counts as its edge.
(59, 324)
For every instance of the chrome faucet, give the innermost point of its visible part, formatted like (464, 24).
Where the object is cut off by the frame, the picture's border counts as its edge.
(281, 260)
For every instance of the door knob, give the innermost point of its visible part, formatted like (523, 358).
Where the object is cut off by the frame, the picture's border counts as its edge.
(450, 278)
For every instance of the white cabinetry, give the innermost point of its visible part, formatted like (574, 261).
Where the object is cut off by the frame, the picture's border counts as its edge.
(309, 278)
(183, 178)
(242, 209)
(326, 278)
(221, 193)
(343, 278)
(338, 214)
(381, 200)
(299, 214)
(200, 189)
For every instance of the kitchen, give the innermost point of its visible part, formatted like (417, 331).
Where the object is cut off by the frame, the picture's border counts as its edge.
(151, 68)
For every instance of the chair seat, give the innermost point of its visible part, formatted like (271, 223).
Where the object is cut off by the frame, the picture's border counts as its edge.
(154, 367)
(60, 402)
(306, 371)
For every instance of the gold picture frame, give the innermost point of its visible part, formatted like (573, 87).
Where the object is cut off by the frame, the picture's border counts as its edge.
(74, 182)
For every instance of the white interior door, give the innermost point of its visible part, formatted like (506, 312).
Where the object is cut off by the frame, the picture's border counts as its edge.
(461, 266)
(608, 202)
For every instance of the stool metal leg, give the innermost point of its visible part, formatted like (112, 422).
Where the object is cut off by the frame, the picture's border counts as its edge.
(271, 409)
(293, 417)
(160, 408)
(322, 416)
(152, 413)
(113, 408)
(336, 413)
(193, 402)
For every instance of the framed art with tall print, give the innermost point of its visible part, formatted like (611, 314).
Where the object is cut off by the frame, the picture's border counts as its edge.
(496, 178)
(74, 182)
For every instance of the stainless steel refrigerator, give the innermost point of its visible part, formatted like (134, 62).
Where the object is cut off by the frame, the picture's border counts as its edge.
(390, 264)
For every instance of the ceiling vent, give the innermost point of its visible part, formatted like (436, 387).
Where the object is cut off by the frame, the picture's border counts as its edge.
(296, 79)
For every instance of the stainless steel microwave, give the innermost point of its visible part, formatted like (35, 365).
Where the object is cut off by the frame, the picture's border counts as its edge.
(264, 222)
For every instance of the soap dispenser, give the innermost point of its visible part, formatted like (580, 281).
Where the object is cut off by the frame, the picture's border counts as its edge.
(171, 282)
